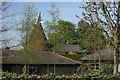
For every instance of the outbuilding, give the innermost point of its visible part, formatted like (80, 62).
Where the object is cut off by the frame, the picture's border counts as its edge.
(38, 62)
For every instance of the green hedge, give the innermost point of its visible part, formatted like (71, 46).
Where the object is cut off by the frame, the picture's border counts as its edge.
(13, 76)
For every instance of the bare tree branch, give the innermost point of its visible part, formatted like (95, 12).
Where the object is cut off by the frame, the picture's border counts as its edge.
(103, 7)
(5, 25)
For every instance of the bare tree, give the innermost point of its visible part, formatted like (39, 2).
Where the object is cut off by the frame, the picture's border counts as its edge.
(6, 24)
(105, 16)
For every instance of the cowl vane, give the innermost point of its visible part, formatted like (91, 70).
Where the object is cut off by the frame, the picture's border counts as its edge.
(38, 20)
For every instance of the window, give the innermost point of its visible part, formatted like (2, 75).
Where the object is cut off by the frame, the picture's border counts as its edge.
(94, 66)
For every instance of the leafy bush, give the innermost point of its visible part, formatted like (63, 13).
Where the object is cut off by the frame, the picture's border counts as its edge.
(74, 56)
(71, 53)
(90, 76)
(106, 69)
(83, 69)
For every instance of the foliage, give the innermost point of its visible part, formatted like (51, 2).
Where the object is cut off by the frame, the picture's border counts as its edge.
(83, 69)
(106, 69)
(71, 53)
(13, 76)
(27, 23)
(59, 31)
(104, 16)
(90, 39)
(50, 28)
(74, 56)
(66, 32)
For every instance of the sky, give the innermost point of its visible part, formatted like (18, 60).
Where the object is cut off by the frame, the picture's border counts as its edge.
(68, 11)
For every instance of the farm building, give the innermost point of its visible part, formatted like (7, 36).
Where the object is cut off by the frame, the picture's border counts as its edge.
(105, 56)
(45, 62)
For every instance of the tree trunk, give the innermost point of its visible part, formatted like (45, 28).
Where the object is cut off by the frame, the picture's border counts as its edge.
(24, 69)
(99, 63)
(47, 68)
(54, 69)
(116, 42)
(27, 68)
(115, 61)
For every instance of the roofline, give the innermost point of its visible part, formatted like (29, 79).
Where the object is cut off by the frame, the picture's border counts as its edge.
(69, 44)
(8, 50)
(66, 58)
(97, 60)
(52, 53)
(19, 50)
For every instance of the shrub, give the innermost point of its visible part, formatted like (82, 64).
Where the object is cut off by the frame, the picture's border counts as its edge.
(90, 76)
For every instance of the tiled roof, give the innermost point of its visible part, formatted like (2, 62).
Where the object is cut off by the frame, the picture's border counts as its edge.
(37, 40)
(105, 54)
(18, 57)
(67, 48)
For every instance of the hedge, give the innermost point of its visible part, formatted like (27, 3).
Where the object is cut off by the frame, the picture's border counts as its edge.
(13, 76)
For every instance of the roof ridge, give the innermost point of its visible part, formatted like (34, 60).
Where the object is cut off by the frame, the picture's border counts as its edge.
(8, 50)
(69, 44)
(66, 58)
